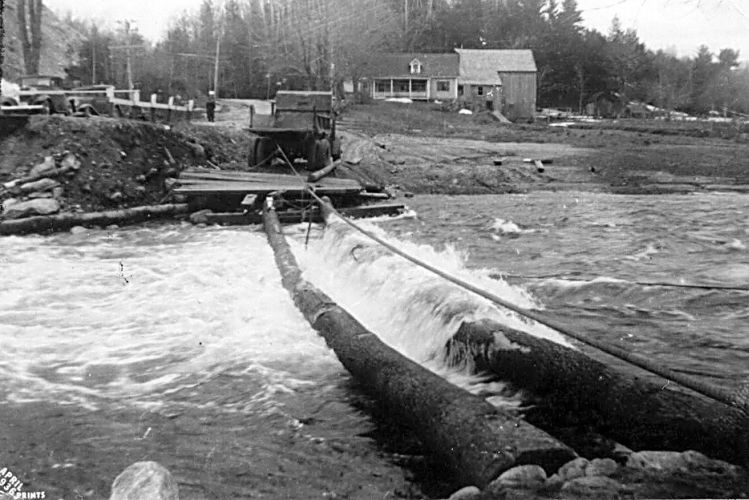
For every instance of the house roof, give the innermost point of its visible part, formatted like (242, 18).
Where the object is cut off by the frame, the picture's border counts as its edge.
(482, 66)
(398, 65)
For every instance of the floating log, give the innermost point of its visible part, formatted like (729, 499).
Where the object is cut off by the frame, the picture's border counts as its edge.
(63, 222)
(327, 170)
(474, 440)
(636, 412)
(296, 216)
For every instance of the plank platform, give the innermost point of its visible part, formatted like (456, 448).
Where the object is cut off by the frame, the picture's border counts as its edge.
(223, 182)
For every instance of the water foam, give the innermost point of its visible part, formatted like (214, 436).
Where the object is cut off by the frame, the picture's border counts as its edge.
(141, 313)
(408, 307)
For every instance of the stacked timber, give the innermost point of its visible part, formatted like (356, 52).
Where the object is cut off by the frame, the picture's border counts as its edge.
(223, 182)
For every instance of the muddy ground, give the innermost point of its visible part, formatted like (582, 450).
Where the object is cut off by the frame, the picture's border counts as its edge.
(129, 163)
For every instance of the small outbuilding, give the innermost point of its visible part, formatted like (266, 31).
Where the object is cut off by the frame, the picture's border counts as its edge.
(499, 80)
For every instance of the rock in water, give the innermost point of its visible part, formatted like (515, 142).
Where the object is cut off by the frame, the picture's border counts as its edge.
(530, 477)
(145, 481)
(597, 487)
(40, 206)
(467, 493)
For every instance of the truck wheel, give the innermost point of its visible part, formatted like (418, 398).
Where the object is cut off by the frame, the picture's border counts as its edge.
(260, 152)
(320, 155)
(335, 150)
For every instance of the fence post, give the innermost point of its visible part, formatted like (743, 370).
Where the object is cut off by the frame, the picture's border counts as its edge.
(169, 110)
(153, 108)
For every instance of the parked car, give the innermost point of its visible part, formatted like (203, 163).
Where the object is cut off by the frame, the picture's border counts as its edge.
(89, 104)
(39, 90)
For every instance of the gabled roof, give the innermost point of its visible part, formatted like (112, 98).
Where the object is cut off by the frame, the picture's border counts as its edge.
(482, 66)
(398, 65)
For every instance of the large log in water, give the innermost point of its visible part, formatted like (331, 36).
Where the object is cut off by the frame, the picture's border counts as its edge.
(63, 222)
(475, 441)
(636, 412)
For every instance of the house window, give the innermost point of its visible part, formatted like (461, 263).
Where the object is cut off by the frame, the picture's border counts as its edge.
(382, 86)
(418, 85)
(400, 85)
(460, 90)
(415, 67)
(480, 90)
(443, 85)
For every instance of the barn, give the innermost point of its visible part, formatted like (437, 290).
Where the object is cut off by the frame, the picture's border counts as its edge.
(498, 80)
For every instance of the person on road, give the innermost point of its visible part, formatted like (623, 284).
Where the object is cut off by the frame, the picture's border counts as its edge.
(210, 106)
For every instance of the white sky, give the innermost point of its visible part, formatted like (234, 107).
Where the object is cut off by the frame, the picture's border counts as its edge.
(682, 25)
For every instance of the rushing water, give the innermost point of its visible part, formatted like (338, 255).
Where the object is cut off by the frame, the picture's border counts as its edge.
(173, 319)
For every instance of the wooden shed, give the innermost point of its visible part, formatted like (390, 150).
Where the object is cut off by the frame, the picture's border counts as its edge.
(499, 80)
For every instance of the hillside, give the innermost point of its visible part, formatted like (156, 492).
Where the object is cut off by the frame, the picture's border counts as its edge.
(60, 44)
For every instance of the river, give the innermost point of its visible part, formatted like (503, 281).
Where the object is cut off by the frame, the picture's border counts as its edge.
(178, 344)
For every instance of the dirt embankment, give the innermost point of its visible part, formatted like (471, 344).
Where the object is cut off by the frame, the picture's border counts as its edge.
(122, 163)
(93, 164)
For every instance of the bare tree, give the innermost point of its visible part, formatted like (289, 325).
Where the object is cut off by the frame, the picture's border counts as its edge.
(30, 29)
(2, 41)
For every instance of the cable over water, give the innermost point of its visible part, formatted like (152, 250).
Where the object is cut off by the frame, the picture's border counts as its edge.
(737, 399)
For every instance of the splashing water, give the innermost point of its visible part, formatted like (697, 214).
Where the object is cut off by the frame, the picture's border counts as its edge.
(137, 314)
(408, 307)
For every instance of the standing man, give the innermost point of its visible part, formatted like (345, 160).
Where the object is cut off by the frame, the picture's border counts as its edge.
(210, 106)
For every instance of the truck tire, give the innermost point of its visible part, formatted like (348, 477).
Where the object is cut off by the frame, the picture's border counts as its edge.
(335, 149)
(259, 152)
(319, 155)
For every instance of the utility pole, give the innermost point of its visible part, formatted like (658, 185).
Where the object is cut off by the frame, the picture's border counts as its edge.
(218, 51)
(215, 67)
(128, 54)
(127, 48)
(405, 15)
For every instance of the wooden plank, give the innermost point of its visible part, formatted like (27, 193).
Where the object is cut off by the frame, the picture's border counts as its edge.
(243, 189)
(258, 176)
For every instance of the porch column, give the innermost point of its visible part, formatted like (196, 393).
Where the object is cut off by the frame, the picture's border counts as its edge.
(391, 87)
(409, 88)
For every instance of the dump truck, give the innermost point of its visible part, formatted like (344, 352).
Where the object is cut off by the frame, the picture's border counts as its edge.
(302, 126)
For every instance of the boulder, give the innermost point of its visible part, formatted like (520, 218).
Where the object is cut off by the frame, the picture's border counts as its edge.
(467, 493)
(45, 194)
(14, 209)
(78, 230)
(601, 467)
(592, 487)
(57, 192)
(531, 477)
(70, 162)
(573, 469)
(199, 217)
(47, 167)
(685, 462)
(45, 184)
(145, 480)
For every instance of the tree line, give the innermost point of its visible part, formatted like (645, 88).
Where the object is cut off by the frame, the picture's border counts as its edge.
(264, 45)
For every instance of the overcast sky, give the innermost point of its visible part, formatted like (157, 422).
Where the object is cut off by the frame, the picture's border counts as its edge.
(681, 25)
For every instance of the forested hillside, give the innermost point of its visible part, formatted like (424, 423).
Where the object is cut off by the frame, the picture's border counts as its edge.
(264, 45)
(61, 43)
